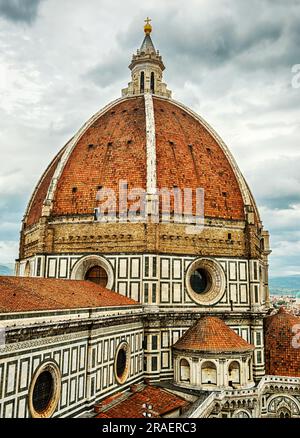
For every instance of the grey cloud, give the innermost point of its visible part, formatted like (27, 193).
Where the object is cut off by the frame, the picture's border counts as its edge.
(110, 71)
(276, 182)
(12, 209)
(19, 10)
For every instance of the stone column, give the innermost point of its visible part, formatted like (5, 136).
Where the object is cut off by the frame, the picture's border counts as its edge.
(195, 372)
(222, 368)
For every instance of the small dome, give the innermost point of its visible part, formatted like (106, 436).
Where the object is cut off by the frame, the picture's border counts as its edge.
(212, 335)
(282, 344)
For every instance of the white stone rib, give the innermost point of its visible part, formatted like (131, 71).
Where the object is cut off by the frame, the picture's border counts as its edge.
(40, 182)
(247, 196)
(150, 145)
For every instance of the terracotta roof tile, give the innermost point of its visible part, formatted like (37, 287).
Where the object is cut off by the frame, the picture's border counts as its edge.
(117, 152)
(188, 156)
(210, 334)
(18, 294)
(162, 403)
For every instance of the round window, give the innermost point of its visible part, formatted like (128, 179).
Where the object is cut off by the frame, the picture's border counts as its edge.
(122, 362)
(205, 281)
(44, 392)
(97, 275)
(200, 281)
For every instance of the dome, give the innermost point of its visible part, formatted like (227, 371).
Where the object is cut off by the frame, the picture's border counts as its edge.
(112, 147)
(282, 346)
(212, 335)
(153, 168)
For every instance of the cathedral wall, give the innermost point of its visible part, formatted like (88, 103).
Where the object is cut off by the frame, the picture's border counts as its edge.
(160, 279)
(85, 359)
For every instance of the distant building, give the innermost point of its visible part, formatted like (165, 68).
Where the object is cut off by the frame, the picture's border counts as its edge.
(107, 301)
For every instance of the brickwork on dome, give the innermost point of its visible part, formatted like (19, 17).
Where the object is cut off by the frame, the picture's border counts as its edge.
(112, 149)
(282, 346)
(188, 156)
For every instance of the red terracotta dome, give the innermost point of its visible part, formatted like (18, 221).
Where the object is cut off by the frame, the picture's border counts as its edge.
(282, 344)
(112, 146)
(212, 335)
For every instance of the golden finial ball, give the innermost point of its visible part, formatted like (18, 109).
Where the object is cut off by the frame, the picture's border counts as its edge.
(148, 27)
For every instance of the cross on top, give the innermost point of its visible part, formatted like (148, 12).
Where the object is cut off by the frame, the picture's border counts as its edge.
(148, 20)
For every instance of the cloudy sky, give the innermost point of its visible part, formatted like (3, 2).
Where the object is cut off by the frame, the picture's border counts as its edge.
(230, 60)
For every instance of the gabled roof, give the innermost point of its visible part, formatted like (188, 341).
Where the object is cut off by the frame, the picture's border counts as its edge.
(212, 335)
(19, 294)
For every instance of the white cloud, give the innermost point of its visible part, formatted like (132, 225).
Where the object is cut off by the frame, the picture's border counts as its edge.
(8, 252)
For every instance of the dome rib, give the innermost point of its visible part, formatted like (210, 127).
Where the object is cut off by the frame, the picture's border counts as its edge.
(35, 204)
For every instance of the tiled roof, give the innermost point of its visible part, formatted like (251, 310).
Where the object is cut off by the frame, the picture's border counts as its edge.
(19, 294)
(210, 334)
(162, 403)
(282, 344)
(113, 148)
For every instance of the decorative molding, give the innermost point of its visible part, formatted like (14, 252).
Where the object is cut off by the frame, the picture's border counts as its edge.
(218, 281)
(52, 368)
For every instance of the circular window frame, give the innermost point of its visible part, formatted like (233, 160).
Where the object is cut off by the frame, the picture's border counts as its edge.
(218, 282)
(82, 266)
(54, 370)
(122, 346)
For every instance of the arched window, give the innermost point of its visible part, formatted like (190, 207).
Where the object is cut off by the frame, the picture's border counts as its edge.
(234, 373)
(284, 413)
(209, 373)
(142, 83)
(152, 83)
(97, 275)
(185, 371)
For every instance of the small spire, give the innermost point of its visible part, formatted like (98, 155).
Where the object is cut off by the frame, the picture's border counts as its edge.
(147, 27)
(146, 69)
